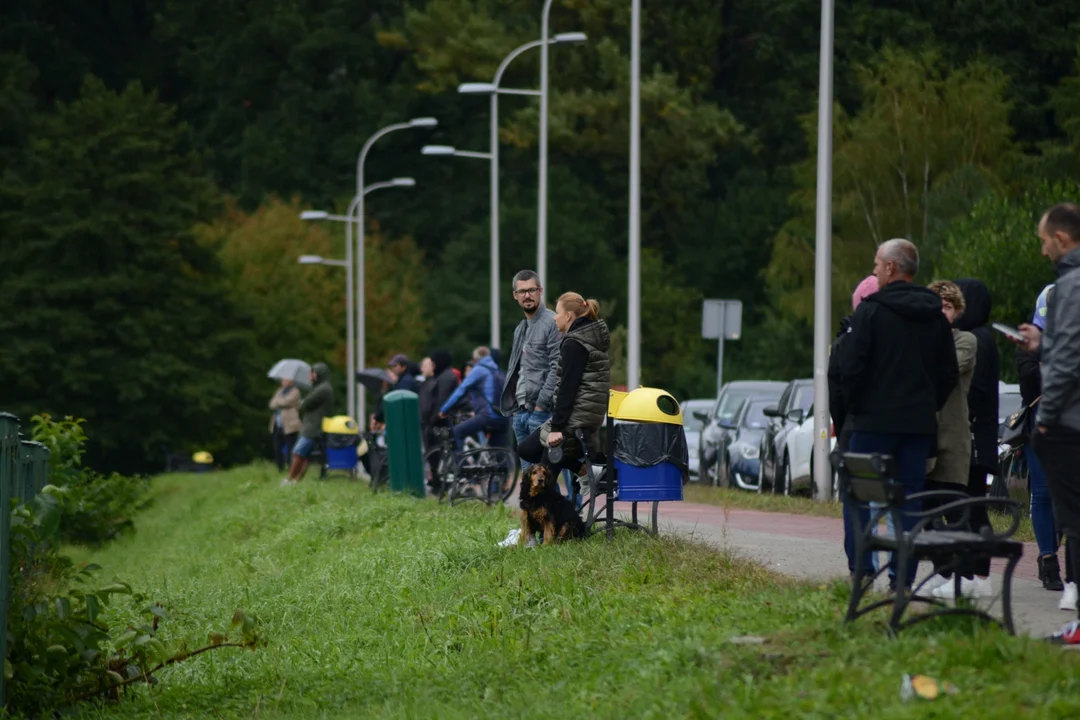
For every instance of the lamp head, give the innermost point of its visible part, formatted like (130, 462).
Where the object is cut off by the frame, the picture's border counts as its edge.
(314, 215)
(423, 122)
(311, 259)
(437, 150)
(403, 182)
(571, 37)
(475, 88)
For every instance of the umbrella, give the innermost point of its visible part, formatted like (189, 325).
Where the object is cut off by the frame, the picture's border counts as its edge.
(373, 378)
(296, 370)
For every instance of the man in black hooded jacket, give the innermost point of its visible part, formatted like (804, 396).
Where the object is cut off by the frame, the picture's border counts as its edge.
(435, 391)
(897, 368)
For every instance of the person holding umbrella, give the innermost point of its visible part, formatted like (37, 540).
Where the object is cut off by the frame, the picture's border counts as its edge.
(285, 421)
(316, 406)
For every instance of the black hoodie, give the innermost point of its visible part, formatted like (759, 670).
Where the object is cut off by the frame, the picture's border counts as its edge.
(437, 389)
(983, 395)
(898, 363)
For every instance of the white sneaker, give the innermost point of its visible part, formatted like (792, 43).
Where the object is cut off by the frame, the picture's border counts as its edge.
(928, 587)
(975, 588)
(285, 482)
(532, 542)
(511, 539)
(1068, 597)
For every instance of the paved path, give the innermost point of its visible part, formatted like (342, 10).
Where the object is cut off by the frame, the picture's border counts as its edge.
(811, 548)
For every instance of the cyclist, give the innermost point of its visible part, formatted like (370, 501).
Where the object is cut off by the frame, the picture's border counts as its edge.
(482, 385)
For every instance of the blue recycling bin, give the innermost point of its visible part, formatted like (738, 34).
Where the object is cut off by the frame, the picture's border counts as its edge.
(651, 456)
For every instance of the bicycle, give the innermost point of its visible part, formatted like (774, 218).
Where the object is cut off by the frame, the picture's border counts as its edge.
(478, 472)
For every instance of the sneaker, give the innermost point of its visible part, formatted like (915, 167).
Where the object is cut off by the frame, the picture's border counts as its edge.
(285, 482)
(1069, 634)
(1050, 573)
(1068, 598)
(511, 539)
(532, 542)
(927, 588)
(974, 588)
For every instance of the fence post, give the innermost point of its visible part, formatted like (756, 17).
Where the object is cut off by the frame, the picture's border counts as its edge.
(9, 454)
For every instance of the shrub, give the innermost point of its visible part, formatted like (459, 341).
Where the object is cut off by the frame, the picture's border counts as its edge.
(96, 507)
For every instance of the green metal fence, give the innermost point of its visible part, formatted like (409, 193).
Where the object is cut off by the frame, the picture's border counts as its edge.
(24, 471)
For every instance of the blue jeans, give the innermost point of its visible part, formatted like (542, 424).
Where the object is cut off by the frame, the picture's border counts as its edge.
(1042, 509)
(909, 453)
(477, 425)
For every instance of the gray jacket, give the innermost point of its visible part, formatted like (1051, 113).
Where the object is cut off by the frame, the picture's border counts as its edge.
(1060, 349)
(539, 339)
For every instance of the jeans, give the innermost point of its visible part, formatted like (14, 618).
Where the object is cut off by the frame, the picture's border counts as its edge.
(1042, 508)
(479, 424)
(909, 453)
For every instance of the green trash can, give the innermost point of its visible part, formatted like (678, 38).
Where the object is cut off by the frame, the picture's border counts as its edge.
(401, 410)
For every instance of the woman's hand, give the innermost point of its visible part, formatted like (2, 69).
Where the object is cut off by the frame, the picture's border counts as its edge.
(554, 438)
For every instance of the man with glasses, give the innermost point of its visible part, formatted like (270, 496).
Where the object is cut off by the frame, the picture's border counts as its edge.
(533, 364)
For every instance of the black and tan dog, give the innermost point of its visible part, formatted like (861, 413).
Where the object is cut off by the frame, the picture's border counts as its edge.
(546, 510)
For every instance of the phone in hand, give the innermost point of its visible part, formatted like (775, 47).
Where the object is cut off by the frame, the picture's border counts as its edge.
(1008, 331)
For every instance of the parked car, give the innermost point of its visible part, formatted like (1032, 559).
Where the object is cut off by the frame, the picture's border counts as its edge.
(1008, 403)
(693, 424)
(739, 442)
(727, 405)
(798, 461)
(785, 416)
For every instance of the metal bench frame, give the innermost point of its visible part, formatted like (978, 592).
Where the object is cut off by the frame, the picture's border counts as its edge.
(952, 545)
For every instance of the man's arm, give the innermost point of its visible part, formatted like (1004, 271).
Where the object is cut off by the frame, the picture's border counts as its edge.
(552, 342)
(1061, 361)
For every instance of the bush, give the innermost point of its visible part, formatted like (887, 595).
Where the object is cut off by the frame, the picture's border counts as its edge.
(60, 650)
(96, 507)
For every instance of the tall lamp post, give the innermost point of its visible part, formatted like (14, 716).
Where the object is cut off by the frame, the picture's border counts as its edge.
(633, 329)
(349, 265)
(494, 89)
(822, 472)
(357, 209)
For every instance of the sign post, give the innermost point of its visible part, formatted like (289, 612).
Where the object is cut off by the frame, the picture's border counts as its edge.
(721, 320)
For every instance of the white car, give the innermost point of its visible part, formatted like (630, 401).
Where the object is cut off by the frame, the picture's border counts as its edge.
(799, 448)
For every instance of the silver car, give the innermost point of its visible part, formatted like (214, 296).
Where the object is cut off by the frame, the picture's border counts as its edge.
(692, 426)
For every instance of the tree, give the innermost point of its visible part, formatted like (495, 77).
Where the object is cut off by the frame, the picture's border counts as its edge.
(927, 142)
(112, 311)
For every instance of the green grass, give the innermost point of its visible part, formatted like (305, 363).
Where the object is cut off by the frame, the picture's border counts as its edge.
(395, 607)
(802, 505)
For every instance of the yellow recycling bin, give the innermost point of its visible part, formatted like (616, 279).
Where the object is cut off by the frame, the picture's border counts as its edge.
(651, 457)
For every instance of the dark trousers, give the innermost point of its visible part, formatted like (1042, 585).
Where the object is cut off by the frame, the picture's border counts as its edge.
(977, 519)
(1059, 452)
(494, 424)
(283, 445)
(909, 453)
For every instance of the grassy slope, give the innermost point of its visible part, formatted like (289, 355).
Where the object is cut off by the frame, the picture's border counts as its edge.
(393, 607)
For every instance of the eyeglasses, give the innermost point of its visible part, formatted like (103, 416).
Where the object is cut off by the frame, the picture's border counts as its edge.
(527, 291)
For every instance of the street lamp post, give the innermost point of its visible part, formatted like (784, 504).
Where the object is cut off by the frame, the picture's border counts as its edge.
(494, 89)
(349, 265)
(541, 191)
(633, 329)
(357, 208)
(822, 472)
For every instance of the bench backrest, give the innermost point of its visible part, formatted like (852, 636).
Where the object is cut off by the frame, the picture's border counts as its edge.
(868, 477)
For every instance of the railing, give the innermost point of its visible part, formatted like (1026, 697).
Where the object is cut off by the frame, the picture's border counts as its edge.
(24, 471)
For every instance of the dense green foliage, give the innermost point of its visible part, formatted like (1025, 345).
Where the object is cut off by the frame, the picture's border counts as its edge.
(385, 606)
(125, 125)
(94, 507)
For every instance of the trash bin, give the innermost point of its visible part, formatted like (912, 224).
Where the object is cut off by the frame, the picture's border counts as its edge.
(342, 437)
(650, 446)
(401, 409)
(204, 461)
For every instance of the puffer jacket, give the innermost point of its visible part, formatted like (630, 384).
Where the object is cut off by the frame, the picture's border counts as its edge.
(584, 376)
(1060, 350)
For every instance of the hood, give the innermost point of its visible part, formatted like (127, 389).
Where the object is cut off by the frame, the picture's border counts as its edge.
(911, 302)
(488, 364)
(594, 332)
(442, 361)
(496, 355)
(976, 304)
(1068, 262)
(322, 372)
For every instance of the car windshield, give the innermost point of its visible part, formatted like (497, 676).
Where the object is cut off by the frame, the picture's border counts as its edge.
(729, 406)
(1008, 403)
(755, 417)
(690, 422)
(804, 398)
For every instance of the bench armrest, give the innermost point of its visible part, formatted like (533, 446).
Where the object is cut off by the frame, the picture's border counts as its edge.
(965, 505)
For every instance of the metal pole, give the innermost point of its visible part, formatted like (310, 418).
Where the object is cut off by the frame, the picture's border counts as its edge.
(541, 192)
(495, 339)
(361, 349)
(350, 328)
(633, 334)
(719, 364)
(822, 471)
